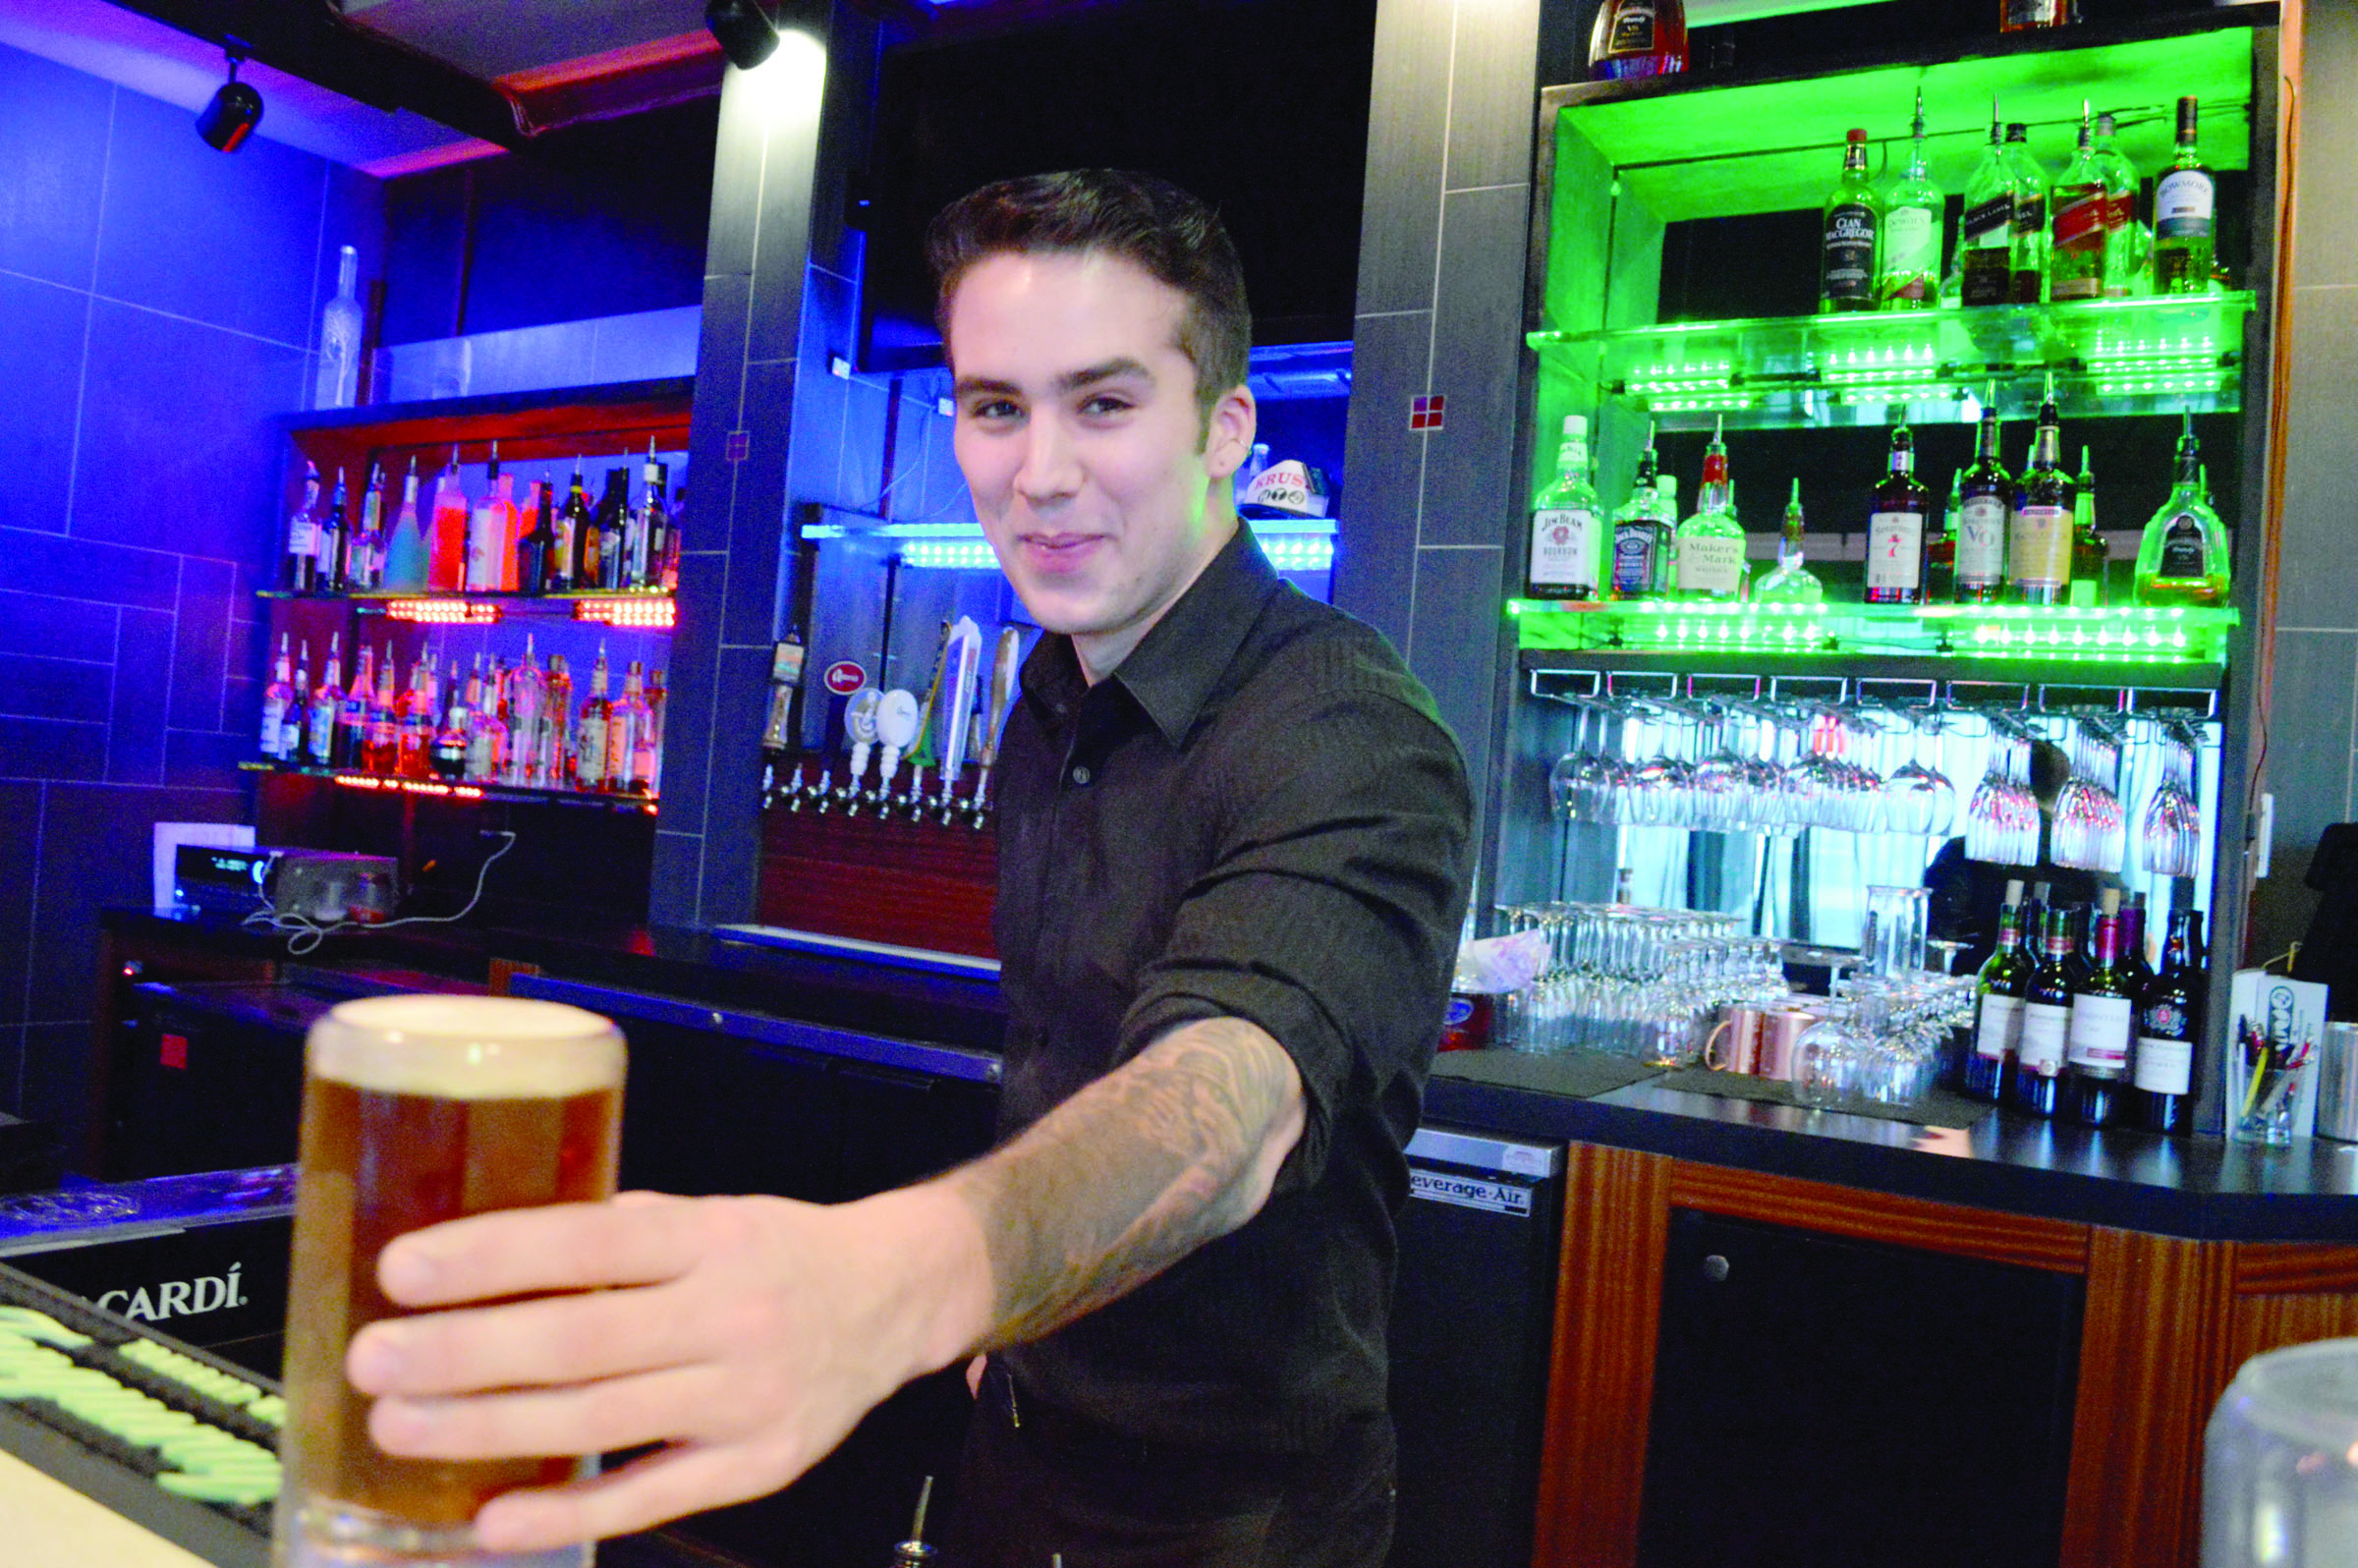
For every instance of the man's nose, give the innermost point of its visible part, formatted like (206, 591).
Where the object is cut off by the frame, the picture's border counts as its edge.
(1050, 468)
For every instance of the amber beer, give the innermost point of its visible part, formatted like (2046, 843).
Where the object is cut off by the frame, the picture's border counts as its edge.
(419, 1109)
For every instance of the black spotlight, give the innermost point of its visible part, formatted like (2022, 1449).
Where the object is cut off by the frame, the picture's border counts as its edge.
(744, 29)
(227, 121)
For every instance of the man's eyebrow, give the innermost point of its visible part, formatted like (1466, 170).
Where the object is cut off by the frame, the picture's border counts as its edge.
(1071, 382)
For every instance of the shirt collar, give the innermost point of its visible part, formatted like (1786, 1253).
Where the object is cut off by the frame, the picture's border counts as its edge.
(1172, 671)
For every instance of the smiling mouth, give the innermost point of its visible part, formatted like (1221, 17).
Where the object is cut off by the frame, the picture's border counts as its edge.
(1061, 550)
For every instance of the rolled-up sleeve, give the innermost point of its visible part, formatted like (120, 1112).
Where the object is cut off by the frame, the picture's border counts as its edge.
(1330, 912)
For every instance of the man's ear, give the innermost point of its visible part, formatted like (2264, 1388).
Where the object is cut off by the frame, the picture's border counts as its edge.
(1228, 434)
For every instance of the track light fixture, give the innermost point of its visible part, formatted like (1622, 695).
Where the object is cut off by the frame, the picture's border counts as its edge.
(744, 30)
(227, 121)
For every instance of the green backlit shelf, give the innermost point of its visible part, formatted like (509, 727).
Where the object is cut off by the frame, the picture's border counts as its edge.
(2153, 356)
(2126, 637)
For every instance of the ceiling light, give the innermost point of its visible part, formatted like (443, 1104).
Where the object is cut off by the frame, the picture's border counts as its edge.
(744, 30)
(227, 121)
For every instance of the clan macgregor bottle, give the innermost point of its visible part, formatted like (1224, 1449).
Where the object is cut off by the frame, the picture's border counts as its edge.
(1846, 272)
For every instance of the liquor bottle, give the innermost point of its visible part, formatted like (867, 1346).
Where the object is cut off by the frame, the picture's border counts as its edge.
(446, 546)
(2104, 1009)
(2128, 244)
(2089, 553)
(2083, 212)
(351, 714)
(383, 752)
(303, 535)
(2170, 1019)
(526, 711)
(647, 769)
(1846, 256)
(1567, 531)
(2040, 1047)
(556, 736)
(1940, 551)
(1986, 501)
(1986, 231)
(532, 551)
(1792, 582)
(2182, 555)
(294, 724)
(479, 701)
(414, 725)
(277, 698)
(1895, 530)
(613, 522)
(589, 735)
(327, 706)
(448, 754)
(1909, 278)
(2005, 979)
(404, 550)
(332, 532)
(669, 581)
(623, 722)
(1710, 545)
(1641, 538)
(2039, 534)
(644, 566)
(1638, 39)
(2185, 215)
(364, 550)
(487, 530)
(1666, 511)
(2027, 255)
(572, 529)
(338, 382)
(2014, 15)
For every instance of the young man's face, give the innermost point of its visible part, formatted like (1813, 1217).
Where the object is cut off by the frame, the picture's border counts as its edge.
(1079, 433)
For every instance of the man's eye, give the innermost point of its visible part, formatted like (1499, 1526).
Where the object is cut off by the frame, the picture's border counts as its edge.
(991, 409)
(1105, 403)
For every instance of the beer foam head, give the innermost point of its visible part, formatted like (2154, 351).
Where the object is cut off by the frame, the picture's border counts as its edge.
(466, 1047)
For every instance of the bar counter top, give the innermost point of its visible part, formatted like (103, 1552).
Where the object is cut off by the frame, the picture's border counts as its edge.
(2198, 1188)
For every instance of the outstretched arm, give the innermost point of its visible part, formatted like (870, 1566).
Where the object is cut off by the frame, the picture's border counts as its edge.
(750, 1334)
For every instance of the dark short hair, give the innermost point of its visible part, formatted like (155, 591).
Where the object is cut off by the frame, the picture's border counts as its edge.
(1150, 223)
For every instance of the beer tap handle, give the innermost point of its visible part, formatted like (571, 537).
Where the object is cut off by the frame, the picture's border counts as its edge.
(825, 792)
(958, 692)
(851, 783)
(794, 790)
(896, 722)
(979, 807)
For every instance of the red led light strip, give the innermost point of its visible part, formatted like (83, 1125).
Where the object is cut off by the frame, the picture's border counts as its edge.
(651, 613)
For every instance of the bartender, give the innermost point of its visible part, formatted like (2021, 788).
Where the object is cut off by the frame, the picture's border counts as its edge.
(1232, 845)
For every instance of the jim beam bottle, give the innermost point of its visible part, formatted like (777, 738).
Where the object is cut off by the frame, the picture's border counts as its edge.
(2039, 532)
(1567, 527)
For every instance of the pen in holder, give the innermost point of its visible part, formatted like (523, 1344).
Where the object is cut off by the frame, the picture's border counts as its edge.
(2276, 1022)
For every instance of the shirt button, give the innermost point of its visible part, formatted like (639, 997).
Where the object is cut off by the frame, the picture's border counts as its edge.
(1081, 775)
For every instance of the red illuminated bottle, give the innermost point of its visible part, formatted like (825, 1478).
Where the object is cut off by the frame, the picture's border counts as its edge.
(1638, 39)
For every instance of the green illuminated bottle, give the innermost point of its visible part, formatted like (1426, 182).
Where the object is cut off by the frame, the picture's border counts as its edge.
(1711, 544)
(2185, 215)
(2128, 244)
(1986, 232)
(2083, 208)
(1641, 540)
(1913, 208)
(1895, 530)
(1940, 551)
(1847, 272)
(2182, 557)
(2027, 261)
(1986, 501)
(2039, 534)
(1792, 581)
(1567, 529)
(2088, 550)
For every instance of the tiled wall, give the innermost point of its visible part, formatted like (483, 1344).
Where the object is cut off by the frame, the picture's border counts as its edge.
(156, 297)
(2311, 764)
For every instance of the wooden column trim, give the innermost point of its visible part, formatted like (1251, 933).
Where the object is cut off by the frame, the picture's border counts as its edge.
(2055, 1245)
(1608, 1312)
(2156, 1309)
(2278, 1269)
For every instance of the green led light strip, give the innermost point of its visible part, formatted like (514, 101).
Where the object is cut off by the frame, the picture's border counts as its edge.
(2116, 633)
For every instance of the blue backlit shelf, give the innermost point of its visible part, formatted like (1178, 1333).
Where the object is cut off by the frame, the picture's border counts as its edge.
(2126, 637)
(2109, 357)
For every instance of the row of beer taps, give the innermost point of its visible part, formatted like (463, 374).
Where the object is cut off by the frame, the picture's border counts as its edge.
(882, 725)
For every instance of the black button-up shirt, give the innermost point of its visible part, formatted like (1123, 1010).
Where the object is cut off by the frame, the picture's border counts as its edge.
(1257, 815)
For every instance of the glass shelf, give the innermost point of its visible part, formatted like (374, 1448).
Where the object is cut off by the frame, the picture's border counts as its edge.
(2129, 636)
(454, 789)
(2165, 354)
(635, 611)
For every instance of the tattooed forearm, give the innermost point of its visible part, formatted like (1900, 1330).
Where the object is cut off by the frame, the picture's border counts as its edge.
(1175, 1148)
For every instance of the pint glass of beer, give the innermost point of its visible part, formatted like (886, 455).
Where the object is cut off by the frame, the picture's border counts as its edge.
(419, 1109)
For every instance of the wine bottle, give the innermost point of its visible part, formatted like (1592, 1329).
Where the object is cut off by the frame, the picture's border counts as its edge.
(1895, 530)
(613, 524)
(2102, 1019)
(1567, 544)
(2170, 1019)
(1985, 501)
(572, 530)
(2040, 534)
(2089, 553)
(2002, 986)
(334, 529)
(2185, 215)
(532, 550)
(2041, 1049)
(1848, 248)
(648, 527)
(293, 740)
